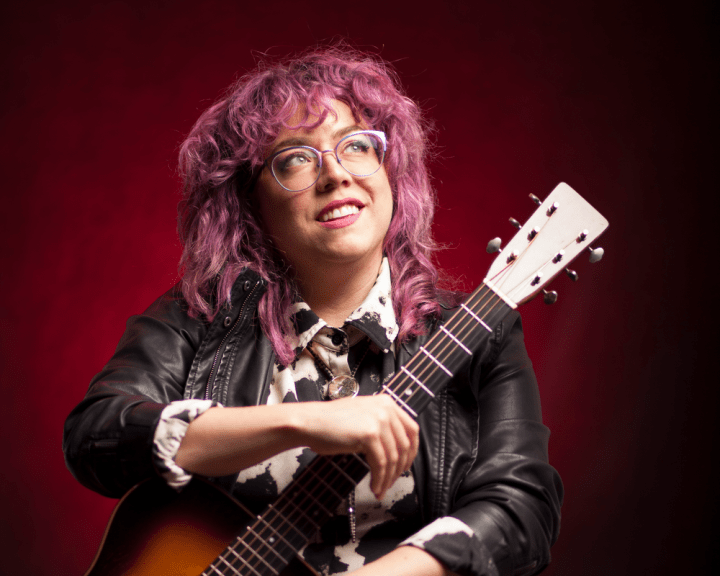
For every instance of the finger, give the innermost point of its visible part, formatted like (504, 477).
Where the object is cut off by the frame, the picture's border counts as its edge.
(413, 434)
(395, 444)
(400, 442)
(376, 459)
(405, 436)
(406, 433)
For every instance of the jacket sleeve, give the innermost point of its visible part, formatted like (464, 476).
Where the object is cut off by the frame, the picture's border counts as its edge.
(108, 437)
(508, 494)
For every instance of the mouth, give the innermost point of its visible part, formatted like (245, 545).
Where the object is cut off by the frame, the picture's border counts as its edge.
(340, 209)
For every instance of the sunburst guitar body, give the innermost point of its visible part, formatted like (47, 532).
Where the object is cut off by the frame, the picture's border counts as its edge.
(156, 531)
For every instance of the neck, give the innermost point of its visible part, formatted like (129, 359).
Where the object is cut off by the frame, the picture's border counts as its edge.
(333, 292)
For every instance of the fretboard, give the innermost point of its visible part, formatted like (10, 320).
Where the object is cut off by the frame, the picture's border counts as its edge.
(287, 525)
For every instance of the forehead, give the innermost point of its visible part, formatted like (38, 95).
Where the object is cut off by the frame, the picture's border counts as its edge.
(334, 118)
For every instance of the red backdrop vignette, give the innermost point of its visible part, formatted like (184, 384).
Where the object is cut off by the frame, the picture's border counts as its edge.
(615, 98)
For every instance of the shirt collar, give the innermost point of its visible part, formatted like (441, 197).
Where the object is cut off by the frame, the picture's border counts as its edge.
(375, 317)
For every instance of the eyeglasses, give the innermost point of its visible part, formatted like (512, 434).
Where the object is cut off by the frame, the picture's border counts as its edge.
(297, 168)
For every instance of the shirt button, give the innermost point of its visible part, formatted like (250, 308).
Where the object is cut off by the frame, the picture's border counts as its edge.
(227, 321)
(337, 338)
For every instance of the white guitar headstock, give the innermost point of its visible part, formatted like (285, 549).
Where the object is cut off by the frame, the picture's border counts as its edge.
(563, 226)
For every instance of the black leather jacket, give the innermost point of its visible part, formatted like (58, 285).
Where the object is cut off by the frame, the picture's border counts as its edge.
(483, 452)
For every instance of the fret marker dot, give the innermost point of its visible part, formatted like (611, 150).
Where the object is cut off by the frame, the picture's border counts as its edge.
(408, 391)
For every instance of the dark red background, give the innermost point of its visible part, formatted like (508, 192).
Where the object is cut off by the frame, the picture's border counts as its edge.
(616, 98)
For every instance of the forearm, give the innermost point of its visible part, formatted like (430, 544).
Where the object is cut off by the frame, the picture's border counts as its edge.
(405, 561)
(226, 440)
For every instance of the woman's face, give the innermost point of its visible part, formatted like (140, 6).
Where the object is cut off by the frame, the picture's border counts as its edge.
(341, 219)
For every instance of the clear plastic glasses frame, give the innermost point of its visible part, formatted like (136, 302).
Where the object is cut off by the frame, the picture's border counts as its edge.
(305, 176)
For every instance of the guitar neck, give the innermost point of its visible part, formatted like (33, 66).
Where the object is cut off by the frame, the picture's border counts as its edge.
(286, 526)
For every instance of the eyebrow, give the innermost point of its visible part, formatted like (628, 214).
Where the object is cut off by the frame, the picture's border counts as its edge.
(303, 141)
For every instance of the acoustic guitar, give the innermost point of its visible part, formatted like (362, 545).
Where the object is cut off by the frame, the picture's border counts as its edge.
(155, 531)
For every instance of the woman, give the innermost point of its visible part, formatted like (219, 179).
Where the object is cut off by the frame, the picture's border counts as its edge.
(307, 256)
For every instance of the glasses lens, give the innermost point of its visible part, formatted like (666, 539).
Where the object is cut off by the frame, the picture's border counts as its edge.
(296, 168)
(361, 154)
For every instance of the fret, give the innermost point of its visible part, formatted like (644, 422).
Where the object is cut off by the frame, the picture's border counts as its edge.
(339, 469)
(284, 520)
(424, 351)
(476, 317)
(289, 500)
(327, 486)
(241, 560)
(265, 542)
(218, 571)
(365, 464)
(252, 551)
(279, 535)
(400, 401)
(465, 348)
(417, 381)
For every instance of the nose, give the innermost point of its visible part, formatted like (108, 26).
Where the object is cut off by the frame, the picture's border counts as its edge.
(332, 173)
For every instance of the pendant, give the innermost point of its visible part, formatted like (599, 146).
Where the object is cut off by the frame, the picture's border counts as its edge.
(342, 387)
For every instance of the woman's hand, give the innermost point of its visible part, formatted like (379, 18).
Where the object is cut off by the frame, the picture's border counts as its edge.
(371, 425)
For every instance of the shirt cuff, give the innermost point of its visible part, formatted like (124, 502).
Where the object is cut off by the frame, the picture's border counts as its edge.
(174, 421)
(453, 543)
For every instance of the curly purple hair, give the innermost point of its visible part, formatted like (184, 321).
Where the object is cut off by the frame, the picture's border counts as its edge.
(221, 157)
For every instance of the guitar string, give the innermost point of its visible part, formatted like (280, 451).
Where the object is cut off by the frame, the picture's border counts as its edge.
(328, 488)
(443, 345)
(459, 333)
(293, 523)
(457, 325)
(519, 285)
(286, 518)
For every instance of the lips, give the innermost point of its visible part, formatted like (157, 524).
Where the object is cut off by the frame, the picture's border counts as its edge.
(340, 209)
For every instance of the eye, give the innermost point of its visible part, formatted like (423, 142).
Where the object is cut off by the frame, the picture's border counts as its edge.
(356, 145)
(294, 159)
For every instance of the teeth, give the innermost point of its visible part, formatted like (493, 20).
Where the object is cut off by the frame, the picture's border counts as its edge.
(340, 212)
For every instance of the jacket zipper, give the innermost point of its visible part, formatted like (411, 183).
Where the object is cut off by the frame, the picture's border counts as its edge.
(211, 377)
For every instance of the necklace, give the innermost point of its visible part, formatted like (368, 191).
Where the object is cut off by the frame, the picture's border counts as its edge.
(340, 386)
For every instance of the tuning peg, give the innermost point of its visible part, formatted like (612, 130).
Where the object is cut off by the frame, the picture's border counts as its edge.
(550, 297)
(596, 254)
(535, 199)
(493, 245)
(515, 223)
(572, 274)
